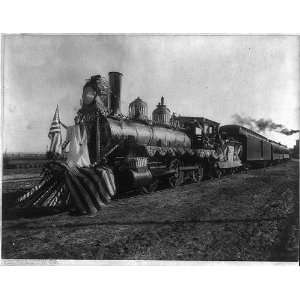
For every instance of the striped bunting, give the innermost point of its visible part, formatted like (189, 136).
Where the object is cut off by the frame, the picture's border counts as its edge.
(85, 190)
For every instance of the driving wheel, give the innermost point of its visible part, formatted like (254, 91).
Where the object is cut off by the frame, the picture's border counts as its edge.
(197, 175)
(176, 178)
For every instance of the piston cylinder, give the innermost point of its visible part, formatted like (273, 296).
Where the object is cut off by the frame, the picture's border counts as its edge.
(140, 178)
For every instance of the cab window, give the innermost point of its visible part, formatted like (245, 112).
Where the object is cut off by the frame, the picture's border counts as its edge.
(198, 131)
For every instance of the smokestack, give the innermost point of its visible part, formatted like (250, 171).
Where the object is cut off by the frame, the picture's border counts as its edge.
(115, 80)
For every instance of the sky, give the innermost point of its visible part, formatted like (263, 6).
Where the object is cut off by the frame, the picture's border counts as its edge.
(209, 76)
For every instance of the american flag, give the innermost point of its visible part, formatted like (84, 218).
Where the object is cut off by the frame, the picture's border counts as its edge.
(55, 134)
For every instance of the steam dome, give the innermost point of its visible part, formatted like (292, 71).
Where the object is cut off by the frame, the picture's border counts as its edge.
(138, 109)
(161, 113)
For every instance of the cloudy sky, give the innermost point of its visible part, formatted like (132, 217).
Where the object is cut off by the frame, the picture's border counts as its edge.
(210, 76)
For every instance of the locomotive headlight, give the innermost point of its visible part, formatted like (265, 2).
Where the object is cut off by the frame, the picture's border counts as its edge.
(88, 95)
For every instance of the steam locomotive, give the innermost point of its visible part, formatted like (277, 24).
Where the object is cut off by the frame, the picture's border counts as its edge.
(168, 149)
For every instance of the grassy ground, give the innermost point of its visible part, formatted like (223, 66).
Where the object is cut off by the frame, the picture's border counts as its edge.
(250, 216)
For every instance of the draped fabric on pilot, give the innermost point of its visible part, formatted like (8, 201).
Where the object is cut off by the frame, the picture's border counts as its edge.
(69, 187)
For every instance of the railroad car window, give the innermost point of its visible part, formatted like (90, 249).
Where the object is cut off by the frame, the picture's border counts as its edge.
(210, 130)
(261, 148)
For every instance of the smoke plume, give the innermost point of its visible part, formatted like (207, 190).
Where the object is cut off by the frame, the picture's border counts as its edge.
(289, 132)
(261, 125)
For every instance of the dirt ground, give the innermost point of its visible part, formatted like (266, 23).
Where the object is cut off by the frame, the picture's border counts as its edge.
(252, 217)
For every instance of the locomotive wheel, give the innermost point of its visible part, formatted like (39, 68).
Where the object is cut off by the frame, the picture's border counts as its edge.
(177, 178)
(152, 187)
(218, 173)
(197, 175)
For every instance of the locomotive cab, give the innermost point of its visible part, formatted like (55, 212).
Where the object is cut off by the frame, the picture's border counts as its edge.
(203, 132)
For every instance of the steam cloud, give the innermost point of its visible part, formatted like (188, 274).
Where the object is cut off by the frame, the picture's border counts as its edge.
(262, 125)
